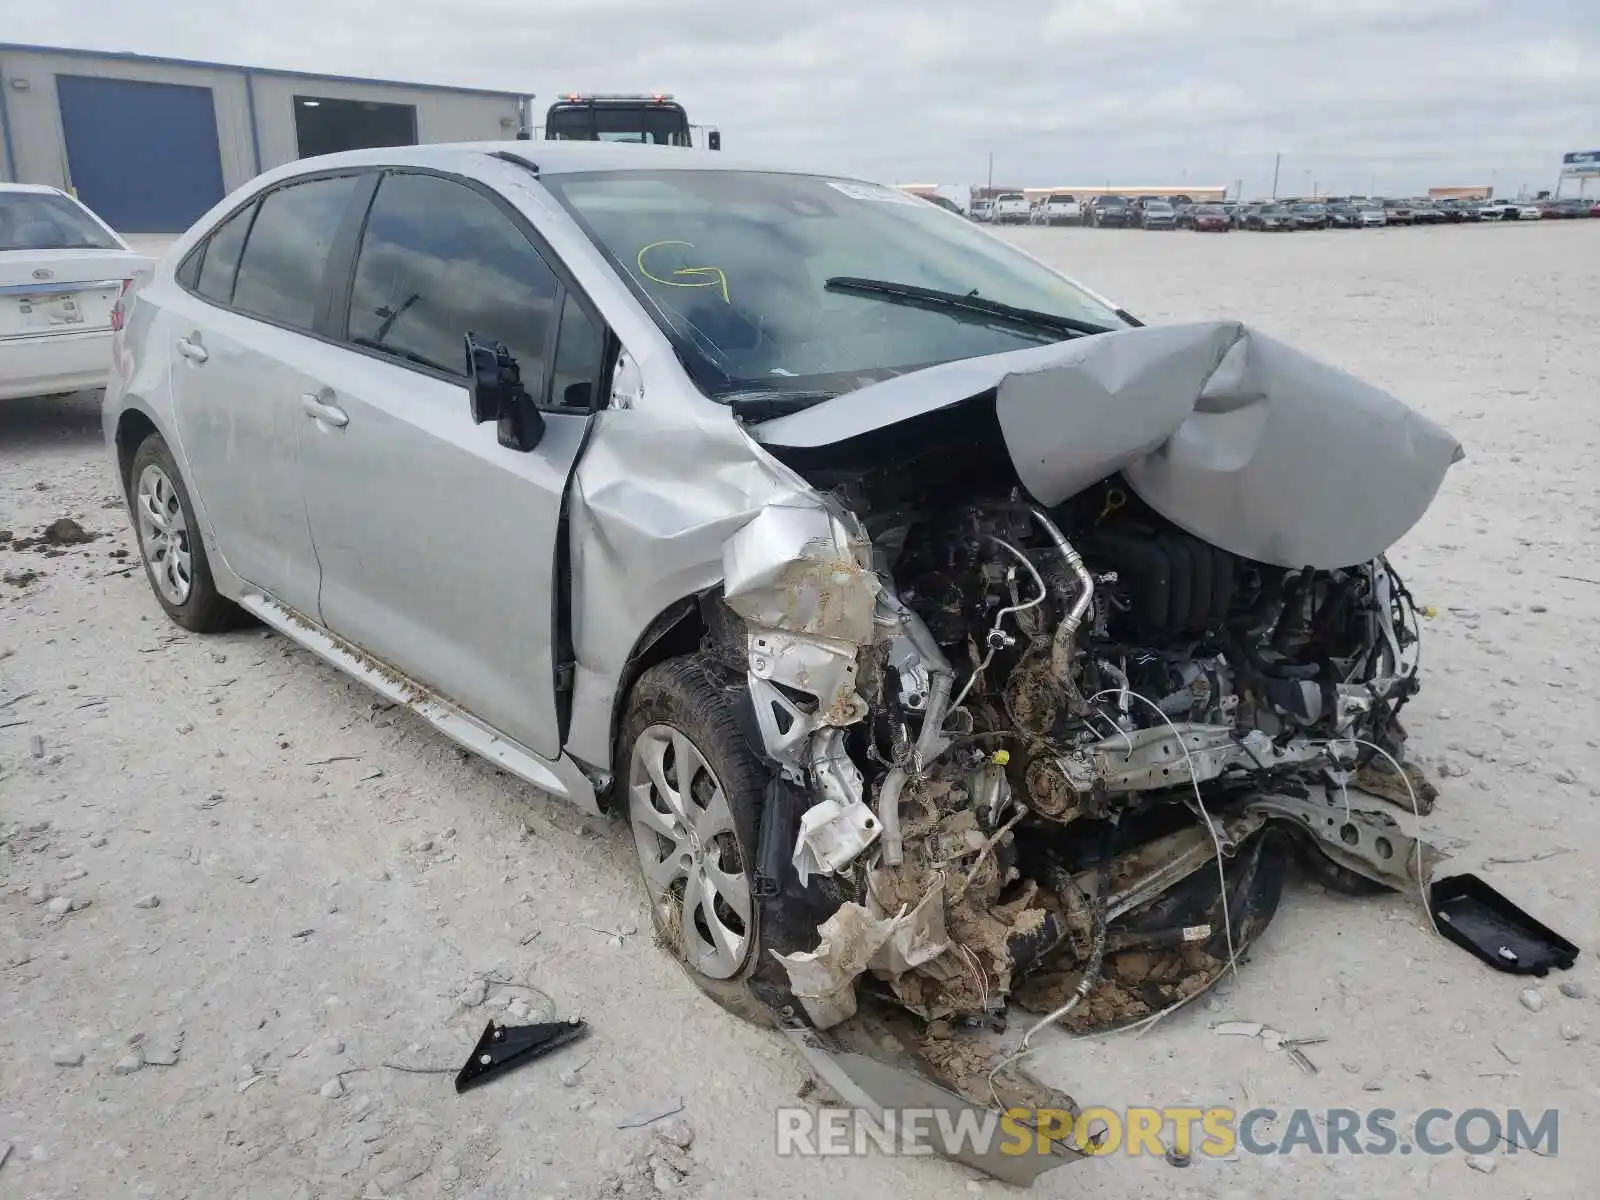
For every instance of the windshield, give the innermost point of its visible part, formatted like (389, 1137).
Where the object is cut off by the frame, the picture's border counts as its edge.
(1273, 210)
(734, 267)
(1154, 206)
(1112, 201)
(42, 221)
(1210, 210)
(1313, 209)
(1062, 200)
(652, 124)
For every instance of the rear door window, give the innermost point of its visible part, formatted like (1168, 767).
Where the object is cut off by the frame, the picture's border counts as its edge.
(220, 260)
(439, 260)
(280, 273)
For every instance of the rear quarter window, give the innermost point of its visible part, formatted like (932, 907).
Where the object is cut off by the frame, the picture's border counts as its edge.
(219, 257)
(280, 272)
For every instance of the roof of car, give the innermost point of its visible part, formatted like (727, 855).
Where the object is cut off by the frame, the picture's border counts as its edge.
(558, 158)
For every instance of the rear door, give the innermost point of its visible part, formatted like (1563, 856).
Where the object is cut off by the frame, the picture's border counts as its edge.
(438, 546)
(242, 325)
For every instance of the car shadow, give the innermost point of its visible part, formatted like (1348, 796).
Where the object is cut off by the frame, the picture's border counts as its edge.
(49, 422)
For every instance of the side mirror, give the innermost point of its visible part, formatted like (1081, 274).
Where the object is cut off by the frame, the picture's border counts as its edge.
(714, 140)
(498, 395)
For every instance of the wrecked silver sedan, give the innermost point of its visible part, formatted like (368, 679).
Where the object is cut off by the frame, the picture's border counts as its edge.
(943, 635)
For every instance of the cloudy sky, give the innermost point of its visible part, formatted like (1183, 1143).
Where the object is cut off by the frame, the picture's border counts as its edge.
(1395, 95)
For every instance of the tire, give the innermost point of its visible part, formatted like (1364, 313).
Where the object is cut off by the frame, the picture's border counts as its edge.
(676, 710)
(170, 544)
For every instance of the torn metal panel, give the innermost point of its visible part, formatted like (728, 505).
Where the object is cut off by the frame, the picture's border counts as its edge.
(802, 568)
(824, 979)
(1368, 841)
(820, 667)
(880, 1089)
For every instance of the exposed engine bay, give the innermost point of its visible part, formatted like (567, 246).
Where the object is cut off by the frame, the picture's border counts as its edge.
(1058, 757)
(1049, 664)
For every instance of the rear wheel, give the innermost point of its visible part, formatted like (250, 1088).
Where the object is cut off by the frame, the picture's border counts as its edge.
(170, 543)
(694, 791)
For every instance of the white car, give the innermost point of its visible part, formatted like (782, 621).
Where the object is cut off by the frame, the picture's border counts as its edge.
(62, 273)
(1529, 211)
(1371, 215)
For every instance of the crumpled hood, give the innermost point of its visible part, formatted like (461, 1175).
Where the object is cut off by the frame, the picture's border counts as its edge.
(1230, 434)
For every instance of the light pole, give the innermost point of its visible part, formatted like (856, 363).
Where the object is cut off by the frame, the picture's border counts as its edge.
(1277, 161)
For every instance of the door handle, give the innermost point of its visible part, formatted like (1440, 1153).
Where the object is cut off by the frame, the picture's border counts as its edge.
(192, 350)
(322, 410)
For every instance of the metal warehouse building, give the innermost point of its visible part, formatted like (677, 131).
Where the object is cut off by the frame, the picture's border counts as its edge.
(152, 143)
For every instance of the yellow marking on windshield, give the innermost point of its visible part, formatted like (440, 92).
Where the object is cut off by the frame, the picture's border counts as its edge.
(719, 279)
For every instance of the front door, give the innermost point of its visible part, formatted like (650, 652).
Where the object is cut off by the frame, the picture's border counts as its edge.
(239, 333)
(438, 546)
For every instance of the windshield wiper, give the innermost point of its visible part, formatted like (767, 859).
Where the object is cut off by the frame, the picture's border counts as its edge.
(764, 406)
(961, 302)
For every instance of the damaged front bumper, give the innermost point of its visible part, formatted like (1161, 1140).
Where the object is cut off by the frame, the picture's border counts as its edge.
(957, 709)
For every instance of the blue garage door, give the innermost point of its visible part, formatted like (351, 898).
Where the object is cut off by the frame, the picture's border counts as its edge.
(142, 155)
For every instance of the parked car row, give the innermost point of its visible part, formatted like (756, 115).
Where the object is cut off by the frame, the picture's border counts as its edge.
(1181, 212)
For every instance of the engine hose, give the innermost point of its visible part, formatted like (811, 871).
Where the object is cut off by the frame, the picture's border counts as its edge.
(1063, 651)
(927, 747)
(889, 815)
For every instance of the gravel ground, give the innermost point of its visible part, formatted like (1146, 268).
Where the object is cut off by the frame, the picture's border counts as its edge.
(235, 887)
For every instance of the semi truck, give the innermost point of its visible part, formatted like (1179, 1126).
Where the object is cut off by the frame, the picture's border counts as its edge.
(648, 118)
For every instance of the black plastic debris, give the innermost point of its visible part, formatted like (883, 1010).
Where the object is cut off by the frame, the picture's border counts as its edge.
(1479, 919)
(504, 1048)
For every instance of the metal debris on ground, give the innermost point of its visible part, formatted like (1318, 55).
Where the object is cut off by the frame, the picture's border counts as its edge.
(639, 1121)
(1273, 1039)
(1239, 1028)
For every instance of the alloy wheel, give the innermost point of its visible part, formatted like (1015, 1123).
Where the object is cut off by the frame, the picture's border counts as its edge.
(164, 534)
(689, 852)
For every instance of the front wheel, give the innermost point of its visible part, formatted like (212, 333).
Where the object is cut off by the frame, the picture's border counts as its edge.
(694, 791)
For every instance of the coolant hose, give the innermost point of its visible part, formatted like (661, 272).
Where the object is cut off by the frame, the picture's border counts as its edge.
(889, 815)
(1061, 653)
